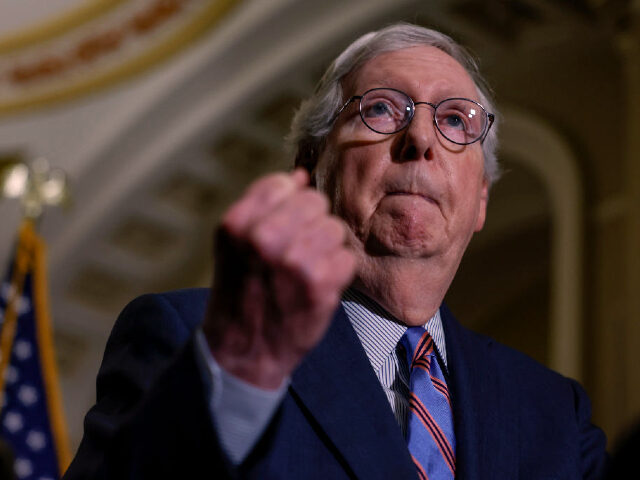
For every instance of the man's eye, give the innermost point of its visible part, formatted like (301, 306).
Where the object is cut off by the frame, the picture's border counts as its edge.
(456, 121)
(378, 109)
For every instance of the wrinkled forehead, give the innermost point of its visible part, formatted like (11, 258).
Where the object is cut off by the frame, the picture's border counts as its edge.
(421, 71)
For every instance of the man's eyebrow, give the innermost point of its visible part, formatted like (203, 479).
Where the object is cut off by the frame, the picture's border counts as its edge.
(441, 89)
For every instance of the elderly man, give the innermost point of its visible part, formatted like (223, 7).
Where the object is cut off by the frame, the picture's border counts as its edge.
(326, 351)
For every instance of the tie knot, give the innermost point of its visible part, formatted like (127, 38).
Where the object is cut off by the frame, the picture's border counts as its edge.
(418, 344)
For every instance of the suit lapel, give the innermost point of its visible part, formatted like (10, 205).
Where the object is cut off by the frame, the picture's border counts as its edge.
(340, 390)
(484, 407)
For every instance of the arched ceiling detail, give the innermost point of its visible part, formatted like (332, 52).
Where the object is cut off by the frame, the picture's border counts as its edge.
(96, 46)
(31, 23)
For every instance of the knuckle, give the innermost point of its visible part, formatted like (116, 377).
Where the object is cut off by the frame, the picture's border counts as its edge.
(336, 227)
(313, 199)
(270, 180)
(342, 267)
(230, 222)
(314, 286)
(329, 232)
(298, 262)
(268, 186)
(260, 236)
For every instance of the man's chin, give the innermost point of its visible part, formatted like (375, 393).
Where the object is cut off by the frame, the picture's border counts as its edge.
(406, 236)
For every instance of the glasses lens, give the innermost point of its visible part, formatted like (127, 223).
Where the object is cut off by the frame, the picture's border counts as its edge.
(385, 110)
(461, 121)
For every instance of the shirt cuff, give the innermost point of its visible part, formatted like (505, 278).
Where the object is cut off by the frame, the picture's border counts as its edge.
(240, 411)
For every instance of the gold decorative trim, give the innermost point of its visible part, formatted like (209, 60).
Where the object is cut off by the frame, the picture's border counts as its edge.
(57, 26)
(209, 17)
(89, 49)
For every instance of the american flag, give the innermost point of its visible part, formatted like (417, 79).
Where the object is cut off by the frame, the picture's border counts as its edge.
(31, 420)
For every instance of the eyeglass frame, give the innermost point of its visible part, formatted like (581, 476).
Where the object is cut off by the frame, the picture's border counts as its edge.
(490, 116)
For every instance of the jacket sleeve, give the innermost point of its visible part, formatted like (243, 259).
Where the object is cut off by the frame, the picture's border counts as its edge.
(170, 434)
(147, 335)
(593, 442)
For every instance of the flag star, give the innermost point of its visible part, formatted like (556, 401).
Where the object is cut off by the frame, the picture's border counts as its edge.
(11, 374)
(13, 422)
(36, 440)
(5, 290)
(23, 467)
(23, 305)
(28, 395)
(22, 349)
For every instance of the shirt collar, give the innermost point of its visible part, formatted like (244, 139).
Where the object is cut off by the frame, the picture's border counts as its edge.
(379, 331)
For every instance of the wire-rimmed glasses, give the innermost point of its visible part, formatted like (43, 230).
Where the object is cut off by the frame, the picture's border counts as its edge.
(387, 111)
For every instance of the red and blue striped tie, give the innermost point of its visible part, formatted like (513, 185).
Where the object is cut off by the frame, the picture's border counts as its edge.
(430, 434)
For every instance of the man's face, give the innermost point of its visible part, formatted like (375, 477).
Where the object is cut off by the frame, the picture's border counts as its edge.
(412, 194)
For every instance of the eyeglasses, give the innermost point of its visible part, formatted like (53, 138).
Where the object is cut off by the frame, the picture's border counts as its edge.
(387, 111)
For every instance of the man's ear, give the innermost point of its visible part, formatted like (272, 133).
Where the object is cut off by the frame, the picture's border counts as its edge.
(482, 208)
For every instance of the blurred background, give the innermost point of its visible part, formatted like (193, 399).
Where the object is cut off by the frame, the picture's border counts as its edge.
(161, 111)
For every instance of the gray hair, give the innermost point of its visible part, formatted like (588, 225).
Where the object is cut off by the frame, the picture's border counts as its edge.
(314, 119)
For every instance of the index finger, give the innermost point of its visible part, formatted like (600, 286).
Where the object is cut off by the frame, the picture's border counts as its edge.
(261, 197)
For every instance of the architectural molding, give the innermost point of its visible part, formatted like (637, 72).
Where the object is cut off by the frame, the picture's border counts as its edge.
(529, 141)
(119, 46)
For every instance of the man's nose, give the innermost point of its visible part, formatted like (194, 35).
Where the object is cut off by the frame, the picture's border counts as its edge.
(419, 136)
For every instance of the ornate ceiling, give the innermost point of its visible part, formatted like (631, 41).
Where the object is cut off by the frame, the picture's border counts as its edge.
(80, 47)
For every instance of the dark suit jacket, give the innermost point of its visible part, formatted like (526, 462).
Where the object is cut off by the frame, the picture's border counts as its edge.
(514, 419)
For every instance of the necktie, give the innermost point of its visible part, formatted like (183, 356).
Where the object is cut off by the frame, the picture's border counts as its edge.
(430, 424)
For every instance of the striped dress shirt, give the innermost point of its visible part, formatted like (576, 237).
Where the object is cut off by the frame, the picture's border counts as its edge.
(379, 332)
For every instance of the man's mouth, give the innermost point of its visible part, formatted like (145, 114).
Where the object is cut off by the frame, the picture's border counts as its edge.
(414, 194)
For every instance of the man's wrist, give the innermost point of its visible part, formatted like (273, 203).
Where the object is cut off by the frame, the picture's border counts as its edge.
(248, 362)
(240, 410)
